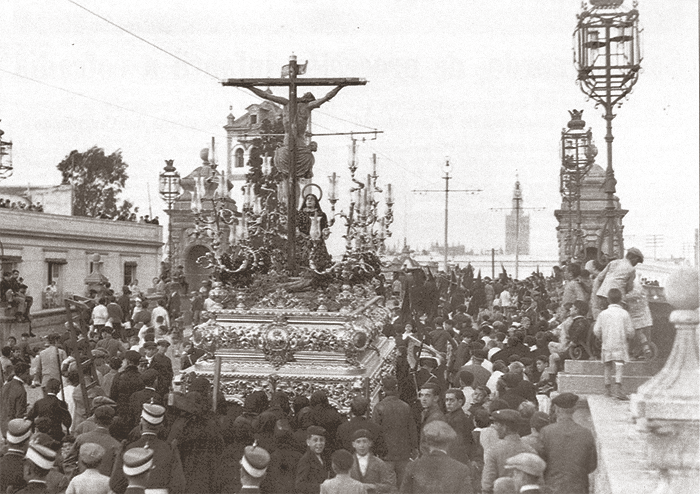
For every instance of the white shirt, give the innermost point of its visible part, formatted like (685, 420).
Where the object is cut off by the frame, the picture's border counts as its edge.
(362, 462)
(491, 383)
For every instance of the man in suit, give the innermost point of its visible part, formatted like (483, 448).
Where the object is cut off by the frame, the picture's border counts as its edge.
(53, 409)
(167, 474)
(160, 363)
(342, 483)
(376, 475)
(49, 363)
(145, 395)
(312, 469)
(429, 397)
(506, 422)
(19, 432)
(481, 374)
(463, 447)
(397, 427)
(126, 383)
(100, 435)
(435, 471)
(13, 396)
(569, 449)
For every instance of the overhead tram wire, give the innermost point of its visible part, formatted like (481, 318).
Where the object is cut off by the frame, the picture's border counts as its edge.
(74, 93)
(190, 64)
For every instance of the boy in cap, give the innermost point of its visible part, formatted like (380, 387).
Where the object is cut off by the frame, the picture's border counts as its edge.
(374, 474)
(526, 471)
(39, 461)
(137, 467)
(342, 483)
(253, 468)
(312, 469)
(19, 431)
(506, 422)
(619, 274)
(91, 481)
(569, 449)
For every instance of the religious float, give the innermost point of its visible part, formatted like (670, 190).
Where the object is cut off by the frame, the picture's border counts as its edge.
(287, 315)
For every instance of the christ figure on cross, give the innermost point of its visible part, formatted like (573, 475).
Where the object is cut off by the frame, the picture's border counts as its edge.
(305, 104)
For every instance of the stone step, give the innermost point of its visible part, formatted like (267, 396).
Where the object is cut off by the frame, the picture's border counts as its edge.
(595, 368)
(594, 384)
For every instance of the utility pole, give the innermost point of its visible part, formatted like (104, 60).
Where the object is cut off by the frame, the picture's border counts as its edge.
(446, 168)
(654, 241)
(290, 80)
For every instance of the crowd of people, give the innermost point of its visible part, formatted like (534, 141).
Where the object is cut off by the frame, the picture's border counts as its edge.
(14, 297)
(28, 206)
(472, 406)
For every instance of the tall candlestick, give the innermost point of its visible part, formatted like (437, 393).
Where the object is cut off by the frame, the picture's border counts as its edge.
(370, 192)
(333, 195)
(389, 195)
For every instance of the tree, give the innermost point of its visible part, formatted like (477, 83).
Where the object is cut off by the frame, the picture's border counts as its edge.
(97, 181)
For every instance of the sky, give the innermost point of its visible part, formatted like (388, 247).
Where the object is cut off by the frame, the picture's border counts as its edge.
(487, 84)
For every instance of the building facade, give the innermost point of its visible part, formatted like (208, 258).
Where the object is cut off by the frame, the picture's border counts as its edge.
(517, 225)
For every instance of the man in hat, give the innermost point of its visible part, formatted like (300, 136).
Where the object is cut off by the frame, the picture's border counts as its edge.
(429, 397)
(40, 461)
(510, 394)
(358, 420)
(162, 364)
(398, 428)
(376, 475)
(48, 364)
(146, 395)
(435, 471)
(312, 469)
(620, 274)
(126, 383)
(476, 367)
(534, 439)
(90, 481)
(13, 396)
(110, 344)
(253, 468)
(526, 471)
(137, 467)
(506, 423)
(167, 471)
(342, 483)
(100, 436)
(19, 432)
(55, 410)
(90, 423)
(569, 449)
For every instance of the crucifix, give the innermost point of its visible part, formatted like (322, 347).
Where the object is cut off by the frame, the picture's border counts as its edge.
(294, 158)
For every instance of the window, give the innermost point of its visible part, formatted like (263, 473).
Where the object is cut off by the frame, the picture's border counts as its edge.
(238, 158)
(253, 119)
(54, 272)
(129, 272)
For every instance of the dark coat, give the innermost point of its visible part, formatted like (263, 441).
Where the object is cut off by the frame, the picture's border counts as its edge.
(164, 366)
(281, 472)
(570, 453)
(378, 473)
(310, 474)
(124, 385)
(13, 403)
(166, 474)
(201, 445)
(397, 428)
(330, 419)
(34, 488)
(99, 436)
(140, 397)
(436, 472)
(12, 470)
(55, 410)
(462, 449)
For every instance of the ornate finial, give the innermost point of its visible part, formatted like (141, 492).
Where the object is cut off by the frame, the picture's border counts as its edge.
(606, 4)
(576, 122)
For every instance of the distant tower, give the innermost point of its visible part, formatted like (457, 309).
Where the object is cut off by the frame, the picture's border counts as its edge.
(515, 221)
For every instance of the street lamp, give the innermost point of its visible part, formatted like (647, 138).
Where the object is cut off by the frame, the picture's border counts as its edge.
(577, 157)
(169, 189)
(607, 55)
(5, 157)
(446, 168)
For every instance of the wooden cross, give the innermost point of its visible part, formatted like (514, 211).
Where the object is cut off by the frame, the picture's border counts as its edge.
(292, 82)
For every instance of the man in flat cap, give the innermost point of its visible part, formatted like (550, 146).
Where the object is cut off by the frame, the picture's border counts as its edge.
(312, 469)
(19, 432)
(397, 427)
(358, 420)
(90, 481)
(526, 471)
(376, 475)
(253, 468)
(167, 471)
(506, 422)
(435, 471)
(620, 274)
(100, 436)
(569, 449)
(90, 424)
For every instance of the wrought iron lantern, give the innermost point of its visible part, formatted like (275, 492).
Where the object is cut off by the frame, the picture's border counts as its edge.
(5, 157)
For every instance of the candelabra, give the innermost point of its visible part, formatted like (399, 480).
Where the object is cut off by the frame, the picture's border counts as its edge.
(366, 228)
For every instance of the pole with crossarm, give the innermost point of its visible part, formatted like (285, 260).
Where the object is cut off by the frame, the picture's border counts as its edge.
(292, 82)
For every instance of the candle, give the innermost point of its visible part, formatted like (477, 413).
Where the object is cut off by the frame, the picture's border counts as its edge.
(374, 165)
(356, 200)
(370, 192)
(333, 195)
(257, 206)
(389, 195)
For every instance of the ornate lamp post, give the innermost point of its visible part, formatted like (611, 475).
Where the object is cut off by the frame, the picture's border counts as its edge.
(607, 55)
(169, 188)
(5, 157)
(577, 157)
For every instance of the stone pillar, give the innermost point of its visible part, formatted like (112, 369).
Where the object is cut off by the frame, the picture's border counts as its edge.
(666, 408)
